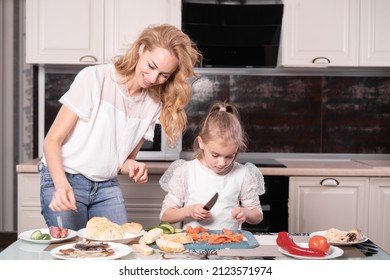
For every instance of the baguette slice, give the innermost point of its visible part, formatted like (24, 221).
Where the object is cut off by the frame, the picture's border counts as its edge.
(143, 249)
(169, 246)
(133, 228)
(142, 241)
(182, 238)
(152, 235)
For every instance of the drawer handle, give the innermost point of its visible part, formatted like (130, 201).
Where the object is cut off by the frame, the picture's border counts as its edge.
(329, 182)
(321, 60)
(88, 58)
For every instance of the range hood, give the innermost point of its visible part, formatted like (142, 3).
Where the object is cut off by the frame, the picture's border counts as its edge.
(229, 34)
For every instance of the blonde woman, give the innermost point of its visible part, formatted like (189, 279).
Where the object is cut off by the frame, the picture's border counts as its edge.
(106, 115)
(190, 184)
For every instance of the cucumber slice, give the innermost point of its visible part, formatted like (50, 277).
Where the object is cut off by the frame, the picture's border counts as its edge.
(36, 235)
(167, 227)
(150, 228)
(45, 236)
(178, 230)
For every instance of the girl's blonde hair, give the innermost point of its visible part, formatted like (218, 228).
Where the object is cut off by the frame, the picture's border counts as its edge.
(222, 122)
(176, 92)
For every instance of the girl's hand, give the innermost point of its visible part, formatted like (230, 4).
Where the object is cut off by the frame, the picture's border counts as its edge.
(137, 171)
(63, 199)
(197, 212)
(238, 214)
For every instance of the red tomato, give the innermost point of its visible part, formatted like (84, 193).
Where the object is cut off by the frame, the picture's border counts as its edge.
(319, 242)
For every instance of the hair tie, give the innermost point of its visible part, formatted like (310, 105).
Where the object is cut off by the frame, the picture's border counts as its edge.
(223, 109)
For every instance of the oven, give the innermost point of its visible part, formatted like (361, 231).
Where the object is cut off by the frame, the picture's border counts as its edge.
(274, 202)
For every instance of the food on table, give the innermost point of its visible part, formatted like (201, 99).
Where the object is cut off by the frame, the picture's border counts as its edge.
(169, 246)
(58, 232)
(201, 234)
(36, 235)
(338, 236)
(103, 228)
(182, 238)
(286, 242)
(166, 227)
(152, 235)
(319, 242)
(87, 249)
(143, 249)
(133, 228)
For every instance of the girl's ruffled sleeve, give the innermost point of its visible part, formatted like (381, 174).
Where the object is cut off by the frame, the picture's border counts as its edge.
(253, 187)
(175, 182)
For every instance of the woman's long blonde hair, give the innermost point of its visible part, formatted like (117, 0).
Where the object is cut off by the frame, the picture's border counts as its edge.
(222, 122)
(176, 92)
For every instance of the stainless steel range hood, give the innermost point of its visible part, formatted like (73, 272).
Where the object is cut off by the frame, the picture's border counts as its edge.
(234, 33)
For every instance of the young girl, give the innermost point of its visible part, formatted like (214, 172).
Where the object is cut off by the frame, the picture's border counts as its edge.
(190, 184)
(107, 114)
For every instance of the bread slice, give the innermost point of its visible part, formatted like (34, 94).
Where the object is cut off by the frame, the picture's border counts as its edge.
(182, 238)
(133, 228)
(143, 249)
(152, 235)
(169, 246)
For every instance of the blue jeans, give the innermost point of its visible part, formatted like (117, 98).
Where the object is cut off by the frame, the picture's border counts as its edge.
(93, 199)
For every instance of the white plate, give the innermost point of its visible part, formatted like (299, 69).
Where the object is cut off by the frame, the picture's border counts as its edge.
(128, 237)
(26, 236)
(121, 251)
(323, 233)
(334, 252)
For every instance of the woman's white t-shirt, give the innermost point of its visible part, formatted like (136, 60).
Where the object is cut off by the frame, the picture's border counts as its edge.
(110, 124)
(190, 182)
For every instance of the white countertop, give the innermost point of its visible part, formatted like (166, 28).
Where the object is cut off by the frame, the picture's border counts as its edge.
(294, 167)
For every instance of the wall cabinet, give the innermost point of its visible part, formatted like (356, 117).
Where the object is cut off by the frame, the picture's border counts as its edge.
(335, 33)
(90, 31)
(319, 203)
(143, 202)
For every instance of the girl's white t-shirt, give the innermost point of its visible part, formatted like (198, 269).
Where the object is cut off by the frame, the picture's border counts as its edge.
(110, 124)
(190, 182)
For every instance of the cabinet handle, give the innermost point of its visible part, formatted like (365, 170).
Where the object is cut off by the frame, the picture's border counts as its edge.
(321, 60)
(88, 58)
(329, 182)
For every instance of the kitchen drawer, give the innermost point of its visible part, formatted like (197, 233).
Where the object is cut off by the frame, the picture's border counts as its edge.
(28, 191)
(30, 218)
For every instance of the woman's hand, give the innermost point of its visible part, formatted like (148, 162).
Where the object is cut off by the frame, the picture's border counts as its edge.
(197, 212)
(136, 170)
(63, 199)
(238, 214)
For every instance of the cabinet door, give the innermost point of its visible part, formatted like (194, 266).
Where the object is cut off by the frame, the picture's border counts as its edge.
(65, 32)
(320, 33)
(374, 30)
(126, 19)
(379, 222)
(143, 202)
(315, 205)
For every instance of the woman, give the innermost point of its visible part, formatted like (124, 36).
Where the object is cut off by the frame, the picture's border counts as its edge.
(107, 114)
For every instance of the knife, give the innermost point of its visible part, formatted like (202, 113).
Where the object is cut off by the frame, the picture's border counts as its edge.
(211, 202)
(59, 222)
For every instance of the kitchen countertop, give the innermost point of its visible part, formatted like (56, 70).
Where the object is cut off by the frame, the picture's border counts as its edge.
(267, 249)
(294, 167)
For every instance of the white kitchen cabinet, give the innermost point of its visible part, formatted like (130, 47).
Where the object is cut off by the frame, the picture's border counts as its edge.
(374, 33)
(326, 33)
(320, 203)
(65, 32)
(379, 222)
(143, 202)
(90, 31)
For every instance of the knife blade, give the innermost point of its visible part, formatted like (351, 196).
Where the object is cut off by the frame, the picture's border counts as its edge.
(211, 202)
(59, 222)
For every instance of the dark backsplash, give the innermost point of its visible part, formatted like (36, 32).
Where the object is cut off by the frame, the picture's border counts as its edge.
(286, 114)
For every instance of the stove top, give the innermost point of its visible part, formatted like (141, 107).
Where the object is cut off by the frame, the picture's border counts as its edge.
(265, 162)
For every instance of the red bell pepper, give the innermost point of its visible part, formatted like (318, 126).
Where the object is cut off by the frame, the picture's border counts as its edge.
(285, 241)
